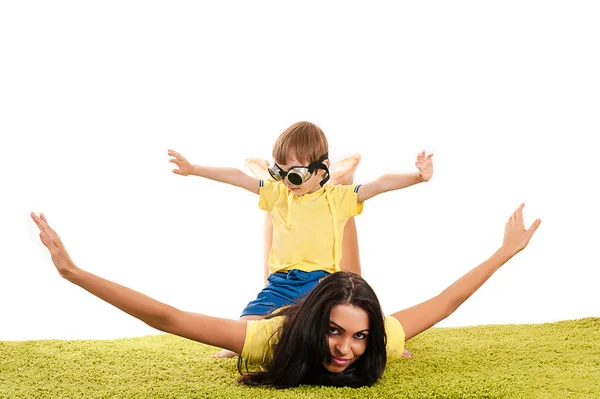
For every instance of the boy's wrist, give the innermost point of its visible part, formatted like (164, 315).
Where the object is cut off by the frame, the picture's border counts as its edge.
(195, 170)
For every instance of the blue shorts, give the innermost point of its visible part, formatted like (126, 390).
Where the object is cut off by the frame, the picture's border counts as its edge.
(283, 288)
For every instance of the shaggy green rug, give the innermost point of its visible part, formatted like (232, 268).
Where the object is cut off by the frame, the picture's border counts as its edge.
(553, 360)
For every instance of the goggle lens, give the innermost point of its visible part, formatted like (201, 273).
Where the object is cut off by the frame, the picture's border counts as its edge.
(295, 179)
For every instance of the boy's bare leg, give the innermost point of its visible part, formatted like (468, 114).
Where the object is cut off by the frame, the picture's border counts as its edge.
(350, 256)
(344, 175)
(268, 242)
(344, 170)
(258, 167)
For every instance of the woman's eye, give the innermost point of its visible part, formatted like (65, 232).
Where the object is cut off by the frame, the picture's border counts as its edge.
(332, 330)
(360, 336)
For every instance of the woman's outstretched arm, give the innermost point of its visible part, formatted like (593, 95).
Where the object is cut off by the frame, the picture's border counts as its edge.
(425, 315)
(209, 330)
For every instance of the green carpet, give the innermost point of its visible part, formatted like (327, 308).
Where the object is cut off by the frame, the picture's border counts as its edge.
(553, 360)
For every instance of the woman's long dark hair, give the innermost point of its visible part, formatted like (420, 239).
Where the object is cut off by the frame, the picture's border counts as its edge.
(303, 345)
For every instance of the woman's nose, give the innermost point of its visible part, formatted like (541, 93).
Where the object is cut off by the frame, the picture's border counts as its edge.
(343, 347)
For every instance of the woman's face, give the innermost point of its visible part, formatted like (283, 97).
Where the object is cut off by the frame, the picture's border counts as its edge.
(347, 336)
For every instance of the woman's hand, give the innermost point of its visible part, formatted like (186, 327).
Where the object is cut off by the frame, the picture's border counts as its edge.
(60, 257)
(516, 237)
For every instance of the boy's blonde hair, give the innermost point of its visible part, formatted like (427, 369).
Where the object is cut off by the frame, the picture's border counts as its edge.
(303, 140)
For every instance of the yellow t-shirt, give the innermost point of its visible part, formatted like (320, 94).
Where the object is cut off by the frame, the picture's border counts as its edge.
(308, 229)
(263, 335)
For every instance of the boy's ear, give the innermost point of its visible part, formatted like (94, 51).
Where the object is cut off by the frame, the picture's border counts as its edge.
(321, 172)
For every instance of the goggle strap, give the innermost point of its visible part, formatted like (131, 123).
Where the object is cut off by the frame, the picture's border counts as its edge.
(326, 178)
(275, 172)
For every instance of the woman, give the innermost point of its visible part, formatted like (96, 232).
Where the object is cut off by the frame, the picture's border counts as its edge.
(336, 336)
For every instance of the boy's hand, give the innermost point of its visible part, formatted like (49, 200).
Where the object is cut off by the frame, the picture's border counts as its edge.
(185, 167)
(425, 166)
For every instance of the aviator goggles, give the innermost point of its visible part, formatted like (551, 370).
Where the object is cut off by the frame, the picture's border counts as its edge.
(297, 175)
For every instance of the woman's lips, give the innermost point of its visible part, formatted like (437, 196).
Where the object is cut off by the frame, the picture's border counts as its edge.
(339, 360)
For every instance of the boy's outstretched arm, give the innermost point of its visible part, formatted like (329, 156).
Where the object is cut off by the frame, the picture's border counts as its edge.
(398, 181)
(225, 175)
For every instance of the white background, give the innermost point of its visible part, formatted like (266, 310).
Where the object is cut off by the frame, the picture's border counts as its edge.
(506, 94)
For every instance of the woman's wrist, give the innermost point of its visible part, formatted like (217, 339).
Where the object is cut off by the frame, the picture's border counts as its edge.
(505, 253)
(71, 274)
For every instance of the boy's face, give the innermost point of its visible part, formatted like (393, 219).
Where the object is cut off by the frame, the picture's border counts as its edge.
(309, 186)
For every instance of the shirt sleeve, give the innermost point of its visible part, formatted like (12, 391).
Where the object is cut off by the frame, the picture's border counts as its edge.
(261, 337)
(269, 192)
(395, 337)
(346, 200)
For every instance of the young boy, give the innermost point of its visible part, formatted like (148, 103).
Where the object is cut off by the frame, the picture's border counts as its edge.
(308, 216)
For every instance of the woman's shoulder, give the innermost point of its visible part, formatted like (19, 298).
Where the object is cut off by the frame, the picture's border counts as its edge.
(395, 337)
(261, 338)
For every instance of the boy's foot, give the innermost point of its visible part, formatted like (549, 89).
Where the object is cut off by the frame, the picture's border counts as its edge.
(224, 354)
(258, 167)
(344, 170)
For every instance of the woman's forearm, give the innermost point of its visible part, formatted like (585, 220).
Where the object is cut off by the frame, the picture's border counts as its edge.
(419, 318)
(150, 311)
(466, 286)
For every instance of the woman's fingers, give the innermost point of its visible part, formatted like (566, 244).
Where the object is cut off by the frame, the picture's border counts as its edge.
(510, 219)
(49, 243)
(41, 223)
(45, 239)
(534, 226)
(519, 216)
(46, 230)
(38, 221)
(516, 219)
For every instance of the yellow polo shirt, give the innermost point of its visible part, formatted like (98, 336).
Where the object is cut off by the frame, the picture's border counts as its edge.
(308, 229)
(263, 335)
